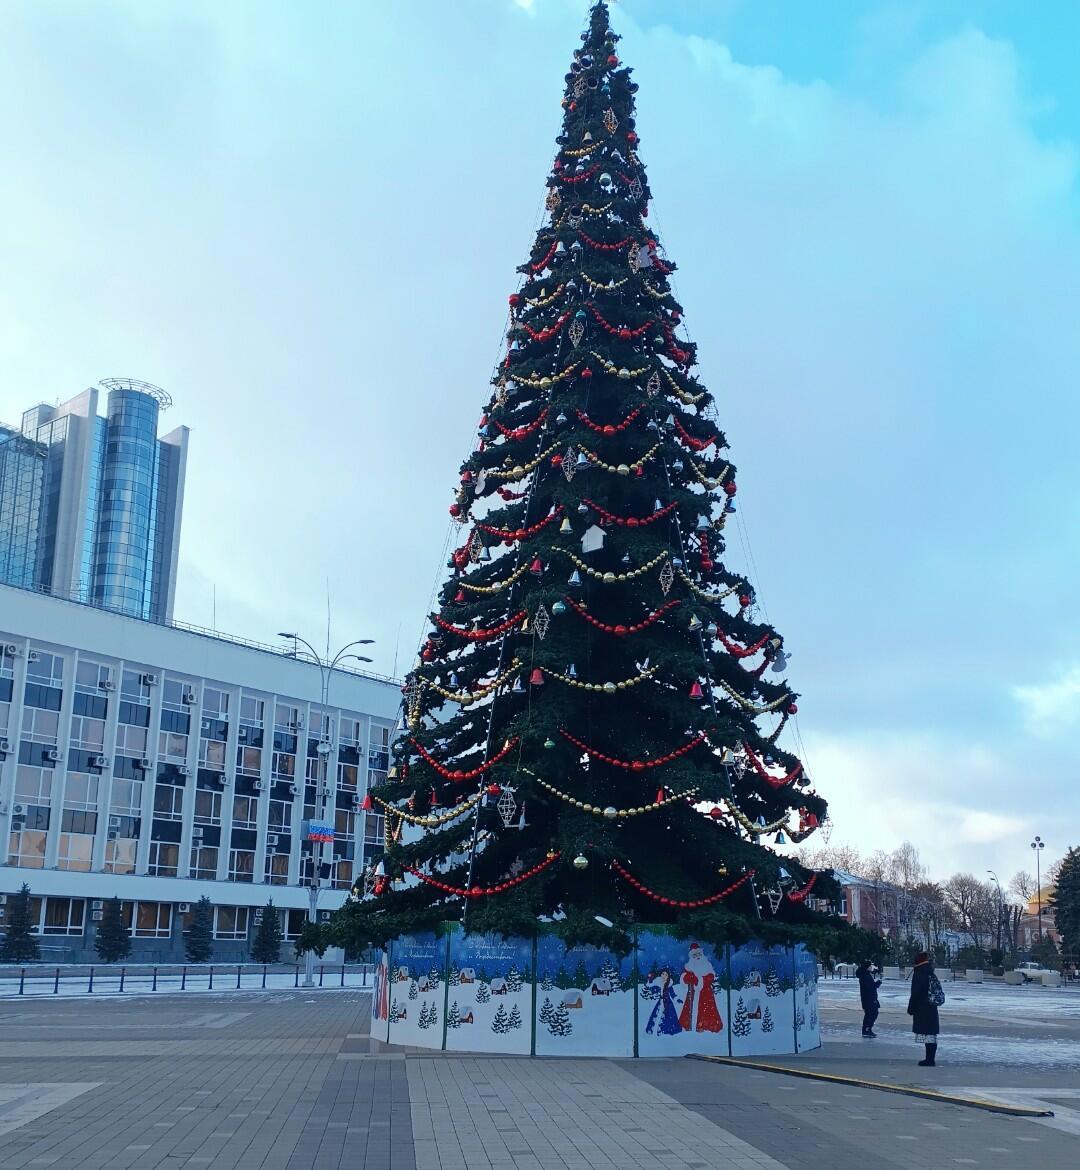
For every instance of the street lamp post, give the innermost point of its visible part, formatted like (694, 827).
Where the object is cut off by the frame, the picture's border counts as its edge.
(1038, 845)
(1000, 909)
(326, 667)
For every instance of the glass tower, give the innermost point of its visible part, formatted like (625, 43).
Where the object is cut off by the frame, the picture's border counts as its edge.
(90, 506)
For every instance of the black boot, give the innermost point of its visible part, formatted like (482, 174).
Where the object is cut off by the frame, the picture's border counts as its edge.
(931, 1051)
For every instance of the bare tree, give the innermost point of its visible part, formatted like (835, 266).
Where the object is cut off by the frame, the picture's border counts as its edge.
(974, 904)
(1022, 884)
(845, 857)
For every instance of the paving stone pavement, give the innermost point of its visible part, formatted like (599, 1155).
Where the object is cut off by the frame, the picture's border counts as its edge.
(292, 1082)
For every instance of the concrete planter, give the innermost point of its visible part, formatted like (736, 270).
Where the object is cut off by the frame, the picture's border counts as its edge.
(1014, 978)
(1051, 979)
(973, 975)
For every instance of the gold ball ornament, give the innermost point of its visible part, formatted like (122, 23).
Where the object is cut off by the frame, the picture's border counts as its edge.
(581, 861)
(609, 578)
(610, 813)
(623, 469)
(610, 688)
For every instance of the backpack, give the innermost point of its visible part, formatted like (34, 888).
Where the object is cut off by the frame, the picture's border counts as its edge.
(935, 993)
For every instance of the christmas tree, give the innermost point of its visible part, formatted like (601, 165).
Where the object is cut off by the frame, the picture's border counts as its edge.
(591, 649)
(199, 936)
(501, 1021)
(546, 1011)
(772, 983)
(740, 1024)
(1066, 904)
(559, 1023)
(515, 1017)
(266, 946)
(513, 981)
(453, 1016)
(483, 993)
(413, 989)
(113, 941)
(766, 1021)
(19, 945)
(425, 1016)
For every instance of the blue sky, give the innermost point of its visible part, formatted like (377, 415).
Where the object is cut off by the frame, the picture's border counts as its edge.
(303, 221)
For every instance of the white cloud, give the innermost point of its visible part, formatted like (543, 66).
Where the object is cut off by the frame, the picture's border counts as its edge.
(1053, 706)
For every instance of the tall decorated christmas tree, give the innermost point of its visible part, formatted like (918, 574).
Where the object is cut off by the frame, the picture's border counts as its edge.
(595, 725)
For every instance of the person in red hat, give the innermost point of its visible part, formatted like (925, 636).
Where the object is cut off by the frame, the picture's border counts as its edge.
(926, 997)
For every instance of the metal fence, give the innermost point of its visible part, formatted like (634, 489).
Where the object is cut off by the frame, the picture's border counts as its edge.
(114, 980)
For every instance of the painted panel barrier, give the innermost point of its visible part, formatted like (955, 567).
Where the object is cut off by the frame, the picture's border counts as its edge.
(667, 997)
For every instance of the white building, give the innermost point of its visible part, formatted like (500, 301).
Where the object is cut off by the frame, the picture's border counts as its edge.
(159, 764)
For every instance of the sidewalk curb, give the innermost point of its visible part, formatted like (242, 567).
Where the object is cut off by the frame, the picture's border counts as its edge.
(904, 1090)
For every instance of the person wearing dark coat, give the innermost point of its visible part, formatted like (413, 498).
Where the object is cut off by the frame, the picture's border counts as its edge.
(922, 1009)
(868, 986)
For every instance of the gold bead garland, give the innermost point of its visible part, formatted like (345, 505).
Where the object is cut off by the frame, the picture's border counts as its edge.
(704, 594)
(685, 395)
(590, 210)
(609, 577)
(660, 296)
(523, 469)
(611, 368)
(775, 735)
(708, 481)
(543, 302)
(600, 286)
(516, 575)
(467, 697)
(754, 708)
(619, 813)
(750, 825)
(622, 468)
(608, 688)
(582, 151)
(432, 822)
(547, 380)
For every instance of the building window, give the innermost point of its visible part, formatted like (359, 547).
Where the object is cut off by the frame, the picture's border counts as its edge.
(251, 710)
(27, 848)
(152, 919)
(76, 851)
(280, 816)
(173, 693)
(33, 785)
(241, 865)
(347, 776)
(63, 916)
(168, 802)
(345, 824)
(131, 740)
(245, 812)
(120, 855)
(40, 725)
(231, 922)
(277, 869)
(204, 859)
(47, 668)
(87, 733)
(321, 725)
(133, 687)
(349, 731)
(248, 760)
(294, 923)
(215, 703)
(342, 876)
(284, 766)
(91, 678)
(287, 719)
(172, 746)
(374, 827)
(207, 806)
(212, 754)
(81, 791)
(126, 797)
(164, 858)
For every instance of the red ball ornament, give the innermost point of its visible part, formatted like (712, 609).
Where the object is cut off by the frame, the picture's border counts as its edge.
(613, 60)
(609, 429)
(620, 631)
(455, 509)
(731, 487)
(493, 790)
(573, 105)
(556, 461)
(706, 565)
(744, 600)
(466, 477)
(586, 373)
(515, 299)
(427, 654)
(459, 597)
(631, 138)
(792, 709)
(716, 812)
(637, 766)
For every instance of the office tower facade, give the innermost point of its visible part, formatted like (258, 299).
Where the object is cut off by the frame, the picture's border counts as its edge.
(158, 765)
(90, 505)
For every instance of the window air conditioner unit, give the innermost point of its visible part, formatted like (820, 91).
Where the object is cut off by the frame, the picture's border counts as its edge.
(99, 761)
(11, 650)
(5, 746)
(271, 840)
(183, 907)
(106, 684)
(196, 834)
(18, 810)
(53, 755)
(145, 764)
(294, 789)
(112, 835)
(96, 915)
(148, 679)
(357, 800)
(33, 656)
(242, 734)
(97, 904)
(258, 786)
(184, 770)
(326, 790)
(114, 822)
(188, 698)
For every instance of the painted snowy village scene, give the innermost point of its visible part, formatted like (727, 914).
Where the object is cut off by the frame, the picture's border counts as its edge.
(415, 990)
(584, 1001)
(489, 994)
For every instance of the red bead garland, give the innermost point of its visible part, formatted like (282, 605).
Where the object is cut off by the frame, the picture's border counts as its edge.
(801, 895)
(759, 768)
(682, 904)
(621, 631)
(738, 651)
(523, 432)
(458, 775)
(607, 517)
(510, 534)
(617, 330)
(548, 332)
(604, 247)
(484, 891)
(678, 355)
(690, 441)
(634, 765)
(539, 267)
(610, 428)
(579, 178)
(481, 635)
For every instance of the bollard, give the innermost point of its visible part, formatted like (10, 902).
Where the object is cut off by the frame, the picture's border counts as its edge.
(183, 978)
(154, 985)
(56, 982)
(237, 976)
(123, 972)
(264, 976)
(320, 974)
(22, 979)
(211, 986)
(90, 985)
(342, 974)
(296, 981)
